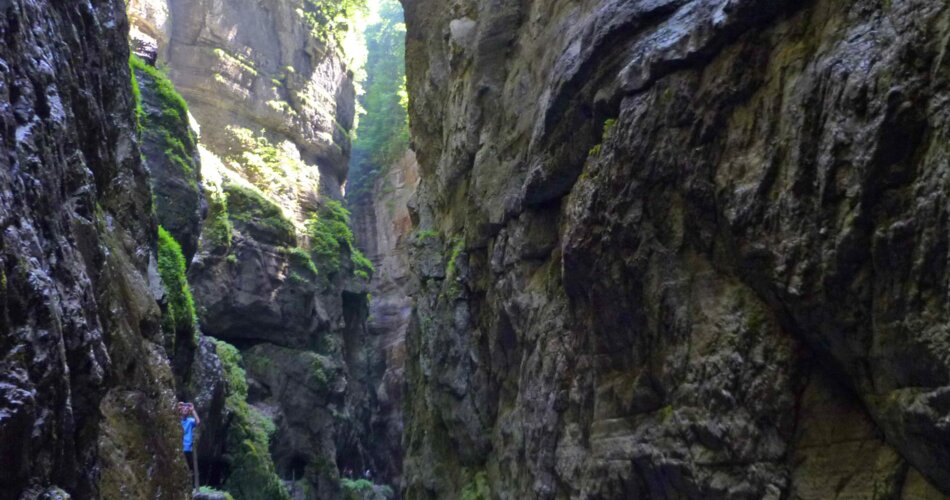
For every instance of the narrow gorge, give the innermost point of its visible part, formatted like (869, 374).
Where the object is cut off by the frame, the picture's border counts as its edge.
(460, 249)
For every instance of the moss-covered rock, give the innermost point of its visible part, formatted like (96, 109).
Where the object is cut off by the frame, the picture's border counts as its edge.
(251, 471)
(169, 147)
(331, 241)
(179, 316)
(249, 210)
(179, 322)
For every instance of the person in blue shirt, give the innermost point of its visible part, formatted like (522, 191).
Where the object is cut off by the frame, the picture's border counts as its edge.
(189, 420)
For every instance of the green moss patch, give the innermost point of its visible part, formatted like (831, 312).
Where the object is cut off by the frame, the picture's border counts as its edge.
(180, 315)
(477, 488)
(329, 20)
(331, 239)
(251, 472)
(168, 120)
(217, 230)
(251, 210)
(300, 259)
(261, 161)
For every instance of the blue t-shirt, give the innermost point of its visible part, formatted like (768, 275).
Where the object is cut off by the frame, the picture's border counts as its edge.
(188, 425)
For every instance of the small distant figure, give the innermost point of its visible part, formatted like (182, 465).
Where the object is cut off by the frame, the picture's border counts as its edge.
(348, 472)
(189, 420)
(367, 474)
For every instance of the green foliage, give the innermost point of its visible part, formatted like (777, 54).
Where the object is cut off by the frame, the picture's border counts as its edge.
(427, 234)
(300, 257)
(136, 91)
(319, 374)
(235, 59)
(261, 161)
(666, 413)
(211, 491)
(249, 207)
(329, 20)
(217, 231)
(174, 109)
(363, 267)
(605, 134)
(608, 126)
(477, 488)
(383, 133)
(251, 471)
(452, 265)
(330, 235)
(180, 315)
(353, 489)
(237, 379)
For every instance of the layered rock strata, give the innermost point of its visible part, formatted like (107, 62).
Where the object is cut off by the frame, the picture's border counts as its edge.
(679, 249)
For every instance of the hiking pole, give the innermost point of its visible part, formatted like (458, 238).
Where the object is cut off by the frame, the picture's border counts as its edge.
(194, 459)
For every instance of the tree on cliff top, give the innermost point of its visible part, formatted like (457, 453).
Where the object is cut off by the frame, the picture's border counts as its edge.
(383, 133)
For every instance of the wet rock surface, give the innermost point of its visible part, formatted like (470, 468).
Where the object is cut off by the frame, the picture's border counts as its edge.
(86, 395)
(679, 249)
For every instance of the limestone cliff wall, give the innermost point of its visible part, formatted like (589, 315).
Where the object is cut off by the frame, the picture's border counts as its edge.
(259, 65)
(86, 392)
(679, 249)
(383, 228)
(273, 100)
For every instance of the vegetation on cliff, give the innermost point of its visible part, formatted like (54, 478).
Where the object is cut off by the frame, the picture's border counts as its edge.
(251, 210)
(383, 132)
(169, 121)
(331, 238)
(264, 162)
(251, 471)
(217, 230)
(339, 22)
(179, 317)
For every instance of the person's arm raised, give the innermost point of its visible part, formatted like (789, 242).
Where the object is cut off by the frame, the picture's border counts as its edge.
(195, 414)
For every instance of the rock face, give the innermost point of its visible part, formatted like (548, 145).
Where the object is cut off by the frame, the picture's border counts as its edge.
(275, 272)
(679, 249)
(383, 227)
(258, 66)
(85, 386)
(170, 149)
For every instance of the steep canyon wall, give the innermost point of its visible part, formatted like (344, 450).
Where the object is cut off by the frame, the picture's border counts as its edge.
(383, 228)
(86, 389)
(679, 249)
(275, 269)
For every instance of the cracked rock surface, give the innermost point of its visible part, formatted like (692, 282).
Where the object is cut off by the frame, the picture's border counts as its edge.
(86, 401)
(684, 249)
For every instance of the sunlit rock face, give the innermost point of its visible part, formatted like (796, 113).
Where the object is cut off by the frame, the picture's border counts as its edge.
(383, 228)
(258, 65)
(86, 400)
(273, 101)
(149, 26)
(679, 249)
